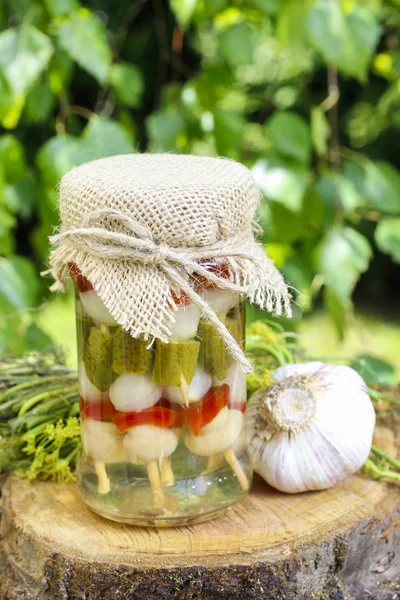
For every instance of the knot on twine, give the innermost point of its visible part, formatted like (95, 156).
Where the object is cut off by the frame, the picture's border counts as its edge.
(138, 244)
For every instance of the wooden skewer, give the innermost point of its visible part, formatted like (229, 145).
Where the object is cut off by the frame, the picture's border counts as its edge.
(167, 475)
(155, 482)
(215, 462)
(184, 390)
(232, 460)
(103, 482)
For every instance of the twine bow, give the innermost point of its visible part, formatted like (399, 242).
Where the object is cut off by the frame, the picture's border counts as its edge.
(139, 245)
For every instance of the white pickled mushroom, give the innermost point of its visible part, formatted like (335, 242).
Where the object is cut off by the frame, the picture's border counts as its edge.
(145, 443)
(87, 390)
(216, 441)
(220, 301)
(198, 387)
(236, 380)
(186, 323)
(102, 441)
(133, 393)
(94, 307)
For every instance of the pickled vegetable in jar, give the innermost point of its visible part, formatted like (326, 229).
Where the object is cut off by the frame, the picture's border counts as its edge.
(162, 254)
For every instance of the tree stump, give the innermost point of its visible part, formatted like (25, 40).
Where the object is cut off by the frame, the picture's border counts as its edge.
(335, 544)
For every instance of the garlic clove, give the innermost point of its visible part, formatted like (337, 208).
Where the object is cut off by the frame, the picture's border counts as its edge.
(186, 322)
(301, 431)
(236, 380)
(133, 393)
(218, 423)
(215, 440)
(220, 301)
(145, 443)
(198, 387)
(87, 390)
(102, 441)
(94, 307)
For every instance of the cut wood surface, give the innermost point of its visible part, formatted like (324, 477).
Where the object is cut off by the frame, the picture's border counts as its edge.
(339, 543)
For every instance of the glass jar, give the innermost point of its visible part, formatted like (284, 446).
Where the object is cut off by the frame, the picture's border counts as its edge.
(163, 438)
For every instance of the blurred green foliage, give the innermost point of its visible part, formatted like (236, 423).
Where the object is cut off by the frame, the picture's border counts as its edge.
(304, 92)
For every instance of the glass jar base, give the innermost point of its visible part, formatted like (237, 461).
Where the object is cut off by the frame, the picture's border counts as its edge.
(188, 501)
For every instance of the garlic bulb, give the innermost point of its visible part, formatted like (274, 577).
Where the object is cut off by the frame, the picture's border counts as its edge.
(221, 301)
(145, 443)
(310, 429)
(198, 387)
(102, 441)
(186, 322)
(132, 392)
(87, 390)
(94, 307)
(218, 436)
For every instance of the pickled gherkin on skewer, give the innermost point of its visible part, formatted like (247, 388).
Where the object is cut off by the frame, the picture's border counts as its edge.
(130, 355)
(98, 357)
(173, 359)
(214, 355)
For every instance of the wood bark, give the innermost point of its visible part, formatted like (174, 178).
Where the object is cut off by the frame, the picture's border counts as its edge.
(342, 543)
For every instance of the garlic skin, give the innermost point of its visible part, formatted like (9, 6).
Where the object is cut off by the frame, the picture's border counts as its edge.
(198, 387)
(218, 436)
(133, 393)
(102, 441)
(145, 443)
(87, 390)
(94, 307)
(312, 428)
(186, 322)
(220, 301)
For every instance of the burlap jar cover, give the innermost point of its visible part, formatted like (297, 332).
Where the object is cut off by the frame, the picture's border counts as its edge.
(140, 226)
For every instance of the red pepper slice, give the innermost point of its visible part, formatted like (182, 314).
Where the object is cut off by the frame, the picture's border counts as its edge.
(100, 411)
(181, 300)
(79, 280)
(159, 416)
(219, 270)
(203, 412)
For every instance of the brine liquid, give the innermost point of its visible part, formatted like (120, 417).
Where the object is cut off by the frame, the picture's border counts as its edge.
(197, 495)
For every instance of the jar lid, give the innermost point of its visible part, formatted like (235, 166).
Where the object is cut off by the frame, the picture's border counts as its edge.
(184, 200)
(140, 227)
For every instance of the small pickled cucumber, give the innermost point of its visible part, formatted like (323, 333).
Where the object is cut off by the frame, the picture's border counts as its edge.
(83, 325)
(130, 355)
(214, 355)
(174, 360)
(98, 358)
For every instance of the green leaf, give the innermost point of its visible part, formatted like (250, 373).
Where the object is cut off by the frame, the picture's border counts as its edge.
(105, 137)
(7, 223)
(363, 34)
(60, 7)
(382, 187)
(337, 309)
(387, 237)
(127, 83)
(12, 157)
(290, 135)
(327, 30)
(12, 335)
(39, 103)
(340, 257)
(24, 54)
(297, 272)
(374, 370)
(236, 44)
(165, 127)
(347, 42)
(20, 196)
(37, 339)
(58, 155)
(228, 133)
(183, 10)
(282, 181)
(84, 37)
(320, 130)
(291, 24)
(19, 286)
